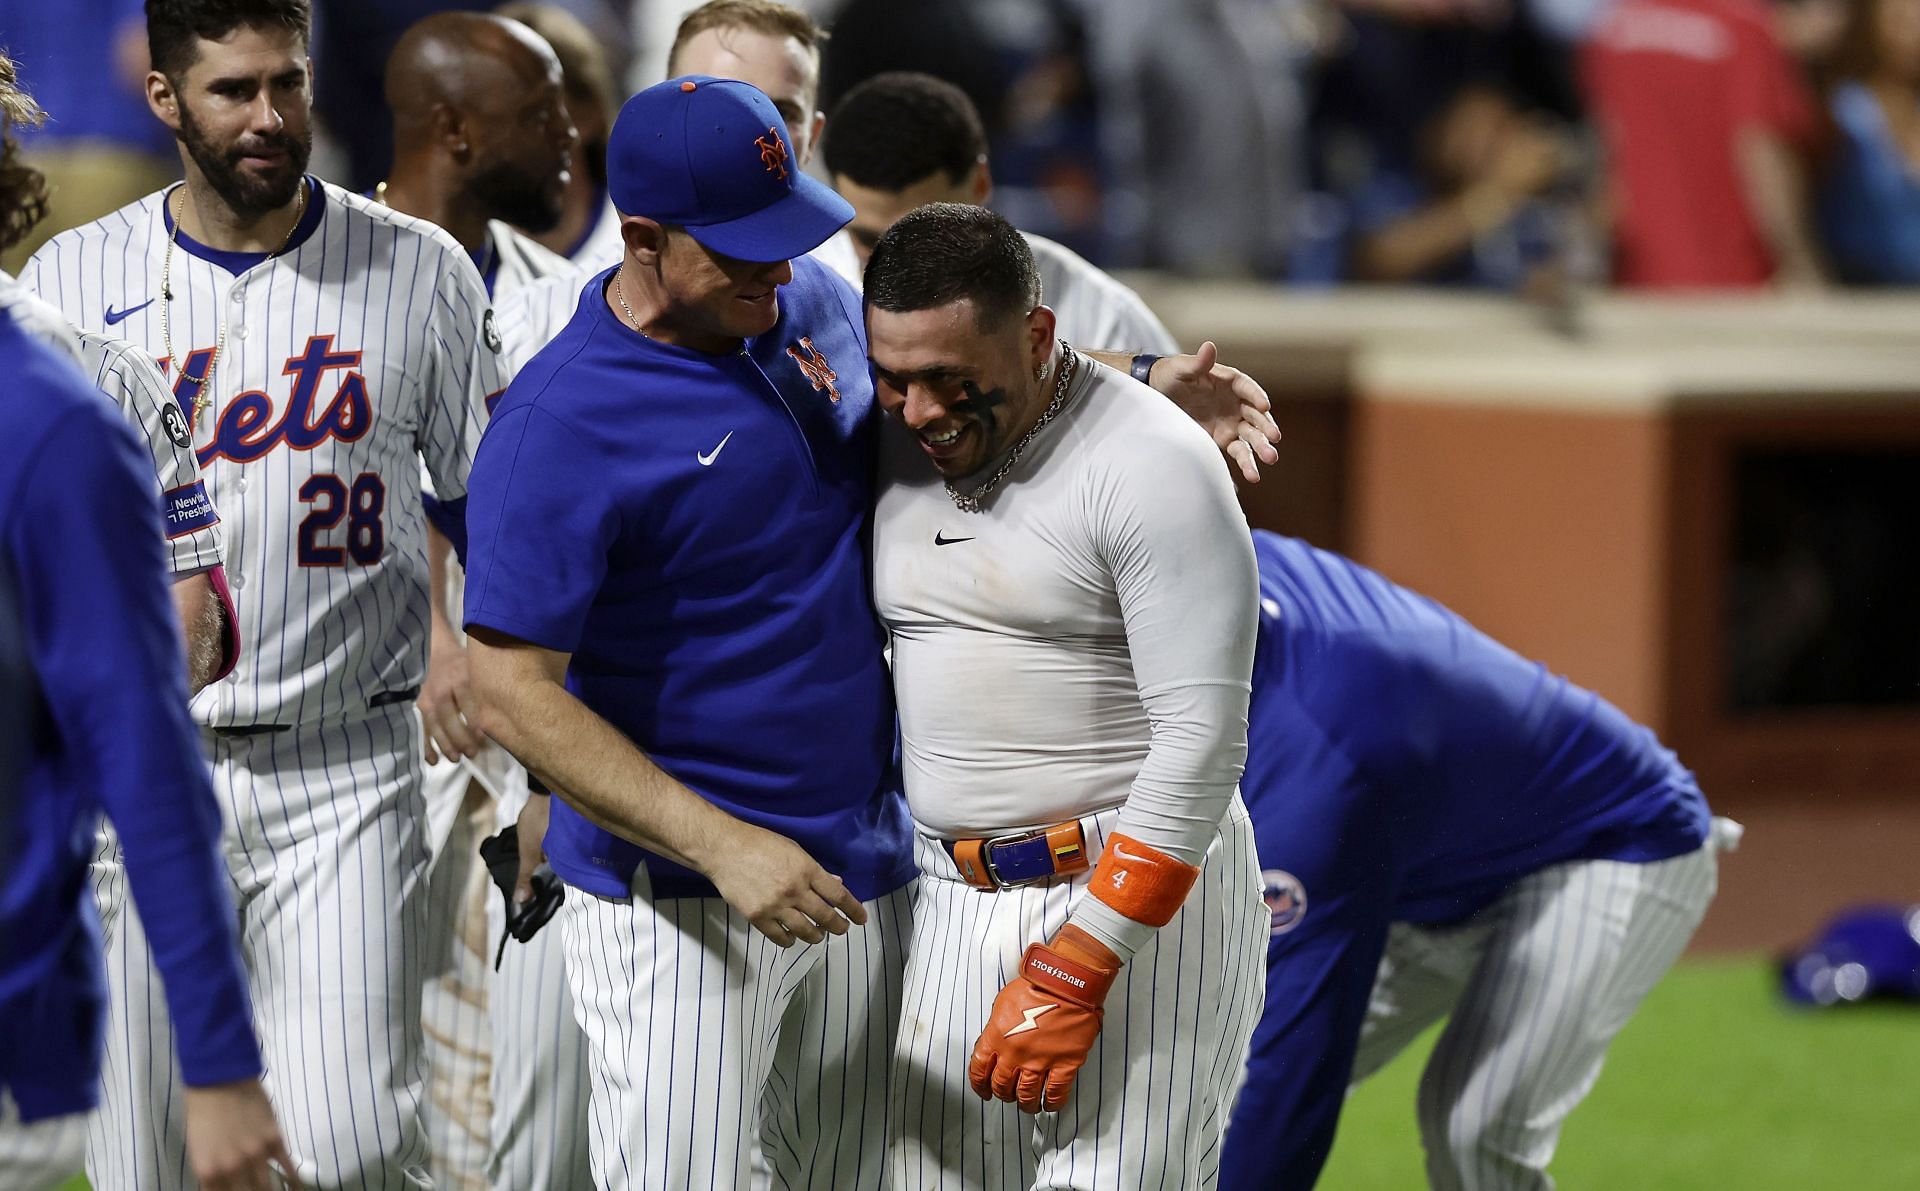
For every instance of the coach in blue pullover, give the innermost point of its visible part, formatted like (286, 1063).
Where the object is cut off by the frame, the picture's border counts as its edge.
(105, 697)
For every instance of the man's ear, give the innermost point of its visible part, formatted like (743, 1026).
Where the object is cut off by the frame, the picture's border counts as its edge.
(162, 100)
(645, 240)
(980, 185)
(1041, 325)
(450, 129)
(819, 130)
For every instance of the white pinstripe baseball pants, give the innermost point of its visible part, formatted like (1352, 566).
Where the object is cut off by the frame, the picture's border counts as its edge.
(721, 1060)
(1150, 1108)
(42, 1155)
(539, 1088)
(1534, 989)
(323, 831)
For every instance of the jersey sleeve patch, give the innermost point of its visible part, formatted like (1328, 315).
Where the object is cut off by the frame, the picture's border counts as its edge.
(187, 509)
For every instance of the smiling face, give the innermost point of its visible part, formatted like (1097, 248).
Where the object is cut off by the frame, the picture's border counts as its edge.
(242, 111)
(714, 297)
(967, 392)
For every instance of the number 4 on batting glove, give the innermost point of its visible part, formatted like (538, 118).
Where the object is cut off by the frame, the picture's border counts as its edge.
(1044, 1023)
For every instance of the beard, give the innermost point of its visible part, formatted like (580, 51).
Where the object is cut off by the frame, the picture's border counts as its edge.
(248, 195)
(512, 195)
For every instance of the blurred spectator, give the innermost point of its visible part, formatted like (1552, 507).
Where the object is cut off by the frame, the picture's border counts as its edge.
(1435, 144)
(1871, 204)
(352, 40)
(1709, 128)
(944, 38)
(86, 62)
(589, 228)
(1811, 31)
(1476, 211)
(1202, 118)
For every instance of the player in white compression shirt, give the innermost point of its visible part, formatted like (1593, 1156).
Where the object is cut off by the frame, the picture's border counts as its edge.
(1070, 592)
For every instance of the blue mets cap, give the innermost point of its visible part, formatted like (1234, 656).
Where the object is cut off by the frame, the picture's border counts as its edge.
(711, 156)
(1871, 951)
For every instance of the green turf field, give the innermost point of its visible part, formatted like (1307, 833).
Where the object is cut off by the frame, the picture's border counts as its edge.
(1715, 1085)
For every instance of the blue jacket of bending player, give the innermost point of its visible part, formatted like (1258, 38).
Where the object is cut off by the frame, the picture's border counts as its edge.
(1404, 766)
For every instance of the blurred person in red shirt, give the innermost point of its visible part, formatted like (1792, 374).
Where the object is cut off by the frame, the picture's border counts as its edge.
(1709, 128)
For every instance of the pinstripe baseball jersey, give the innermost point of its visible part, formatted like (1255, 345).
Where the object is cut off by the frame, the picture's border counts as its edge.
(515, 260)
(126, 374)
(600, 246)
(135, 383)
(336, 363)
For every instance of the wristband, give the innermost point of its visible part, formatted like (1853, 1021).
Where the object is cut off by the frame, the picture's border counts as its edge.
(1142, 367)
(1140, 881)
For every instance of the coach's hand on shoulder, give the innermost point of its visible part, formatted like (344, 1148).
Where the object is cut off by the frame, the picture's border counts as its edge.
(1228, 404)
(1044, 1023)
(233, 1140)
(783, 891)
(447, 702)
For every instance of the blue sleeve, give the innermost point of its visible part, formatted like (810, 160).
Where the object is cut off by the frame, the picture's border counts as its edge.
(1325, 852)
(1871, 203)
(105, 643)
(450, 518)
(541, 519)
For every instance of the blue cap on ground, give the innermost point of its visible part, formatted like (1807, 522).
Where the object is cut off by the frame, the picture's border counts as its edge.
(1872, 951)
(711, 155)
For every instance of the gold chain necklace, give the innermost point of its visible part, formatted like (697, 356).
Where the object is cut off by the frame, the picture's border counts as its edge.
(201, 397)
(971, 502)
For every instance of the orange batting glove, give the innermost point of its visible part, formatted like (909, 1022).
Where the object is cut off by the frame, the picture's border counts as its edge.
(1044, 1022)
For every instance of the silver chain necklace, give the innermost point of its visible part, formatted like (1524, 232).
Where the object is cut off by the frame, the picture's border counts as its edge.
(620, 293)
(971, 502)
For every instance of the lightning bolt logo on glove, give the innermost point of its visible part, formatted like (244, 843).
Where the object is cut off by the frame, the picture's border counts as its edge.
(1044, 1023)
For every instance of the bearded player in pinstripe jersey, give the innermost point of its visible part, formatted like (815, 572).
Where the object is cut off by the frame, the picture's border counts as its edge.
(320, 346)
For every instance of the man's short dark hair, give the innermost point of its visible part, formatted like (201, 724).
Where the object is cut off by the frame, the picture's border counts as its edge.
(944, 252)
(899, 128)
(174, 27)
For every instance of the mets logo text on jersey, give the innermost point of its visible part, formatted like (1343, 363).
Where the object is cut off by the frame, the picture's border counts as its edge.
(773, 153)
(816, 367)
(247, 430)
(1286, 899)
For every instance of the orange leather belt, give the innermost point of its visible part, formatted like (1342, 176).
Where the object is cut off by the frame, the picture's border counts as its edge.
(1010, 861)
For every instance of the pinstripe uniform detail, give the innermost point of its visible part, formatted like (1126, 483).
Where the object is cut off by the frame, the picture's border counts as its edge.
(347, 358)
(462, 797)
(1150, 1107)
(1534, 988)
(135, 383)
(538, 1083)
(677, 1108)
(40, 1156)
